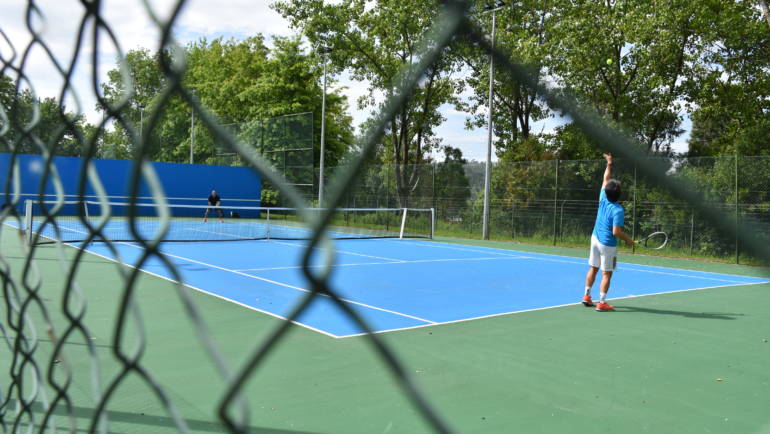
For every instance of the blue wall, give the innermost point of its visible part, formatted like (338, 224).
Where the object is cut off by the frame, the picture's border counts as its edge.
(182, 183)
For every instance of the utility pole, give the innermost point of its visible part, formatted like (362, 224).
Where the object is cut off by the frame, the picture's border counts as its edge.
(490, 127)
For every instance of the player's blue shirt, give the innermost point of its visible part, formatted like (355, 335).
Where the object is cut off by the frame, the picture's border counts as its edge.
(610, 214)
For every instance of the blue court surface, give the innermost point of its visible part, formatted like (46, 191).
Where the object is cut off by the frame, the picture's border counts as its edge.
(400, 284)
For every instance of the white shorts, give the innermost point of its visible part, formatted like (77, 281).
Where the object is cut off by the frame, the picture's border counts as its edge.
(604, 257)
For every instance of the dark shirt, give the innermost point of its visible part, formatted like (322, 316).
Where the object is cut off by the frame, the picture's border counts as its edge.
(214, 199)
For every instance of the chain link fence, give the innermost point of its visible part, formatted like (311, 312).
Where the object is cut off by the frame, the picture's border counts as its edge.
(285, 141)
(542, 200)
(555, 201)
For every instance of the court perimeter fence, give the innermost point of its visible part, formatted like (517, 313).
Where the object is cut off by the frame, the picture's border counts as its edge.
(555, 201)
(39, 394)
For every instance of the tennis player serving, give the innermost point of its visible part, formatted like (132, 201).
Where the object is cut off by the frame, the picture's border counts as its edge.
(604, 239)
(214, 200)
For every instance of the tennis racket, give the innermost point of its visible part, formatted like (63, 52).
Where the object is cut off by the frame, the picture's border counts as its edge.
(654, 241)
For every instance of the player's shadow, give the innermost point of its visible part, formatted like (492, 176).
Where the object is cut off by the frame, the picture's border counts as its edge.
(703, 315)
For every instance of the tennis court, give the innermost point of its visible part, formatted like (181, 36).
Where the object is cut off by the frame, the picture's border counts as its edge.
(144, 318)
(540, 371)
(397, 284)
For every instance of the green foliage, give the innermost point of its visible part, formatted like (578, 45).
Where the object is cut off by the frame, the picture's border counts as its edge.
(655, 47)
(669, 57)
(731, 110)
(29, 123)
(269, 196)
(522, 32)
(362, 40)
(239, 82)
(450, 182)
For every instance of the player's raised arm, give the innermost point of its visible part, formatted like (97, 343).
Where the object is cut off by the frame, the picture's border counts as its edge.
(608, 170)
(617, 231)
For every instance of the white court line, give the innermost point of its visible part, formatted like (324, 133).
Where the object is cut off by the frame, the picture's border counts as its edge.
(300, 229)
(416, 261)
(215, 232)
(274, 315)
(578, 261)
(575, 261)
(685, 275)
(297, 267)
(544, 308)
(253, 277)
(337, 251)
(441, 245)
(487, 250)
(301, 245)
(297, 288)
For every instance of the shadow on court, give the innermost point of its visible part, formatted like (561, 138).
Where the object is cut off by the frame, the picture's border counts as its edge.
(702, 315)
(127, 421)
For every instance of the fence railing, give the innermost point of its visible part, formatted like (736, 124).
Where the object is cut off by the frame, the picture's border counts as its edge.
(555, 201)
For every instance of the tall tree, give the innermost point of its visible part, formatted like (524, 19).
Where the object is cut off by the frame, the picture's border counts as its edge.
(54, 128)
(521, 31)
(240, 82)
(765, 10)
(373, 41)
(731, 109)
(146, 82)
(451, 184)
(632, 60)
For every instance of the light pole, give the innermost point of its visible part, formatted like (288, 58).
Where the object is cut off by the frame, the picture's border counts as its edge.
(487, 169)
(192, 125)
(141, 121)
(325, 52)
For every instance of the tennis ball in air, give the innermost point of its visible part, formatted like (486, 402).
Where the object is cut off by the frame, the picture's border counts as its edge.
(609, 62)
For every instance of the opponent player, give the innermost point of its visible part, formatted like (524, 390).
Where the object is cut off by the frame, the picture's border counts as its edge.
(604, 239)
(214, 200)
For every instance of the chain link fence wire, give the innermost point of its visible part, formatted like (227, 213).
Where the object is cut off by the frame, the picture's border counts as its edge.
(555, 201)
(285, 141)
(530, 200)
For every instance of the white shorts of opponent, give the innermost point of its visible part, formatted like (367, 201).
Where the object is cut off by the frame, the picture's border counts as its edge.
(604, 257)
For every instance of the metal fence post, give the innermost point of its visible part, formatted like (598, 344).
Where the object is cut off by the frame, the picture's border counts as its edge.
(561, 221)
(387, 187)
(633, 214)
(555, 198)
(513, 218)
(737, 245)
(433, 188)
(692, 228)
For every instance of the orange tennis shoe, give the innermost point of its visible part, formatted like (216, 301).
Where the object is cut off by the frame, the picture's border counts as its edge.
(604, 307)
(587, 302)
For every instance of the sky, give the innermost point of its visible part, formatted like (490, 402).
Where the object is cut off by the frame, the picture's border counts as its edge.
(133, 26)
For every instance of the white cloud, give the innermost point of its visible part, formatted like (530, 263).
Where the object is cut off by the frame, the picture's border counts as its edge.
(133, 27)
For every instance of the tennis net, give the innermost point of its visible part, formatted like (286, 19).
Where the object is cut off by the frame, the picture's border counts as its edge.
(73, 221)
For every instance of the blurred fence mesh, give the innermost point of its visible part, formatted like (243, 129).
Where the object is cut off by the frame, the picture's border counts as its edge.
(550, 200)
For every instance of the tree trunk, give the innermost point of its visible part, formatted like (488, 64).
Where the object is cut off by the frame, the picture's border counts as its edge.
(765, 11)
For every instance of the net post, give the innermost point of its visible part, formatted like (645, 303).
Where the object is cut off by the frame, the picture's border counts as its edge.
(267, 232)
(403, 224)
(28, 221)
